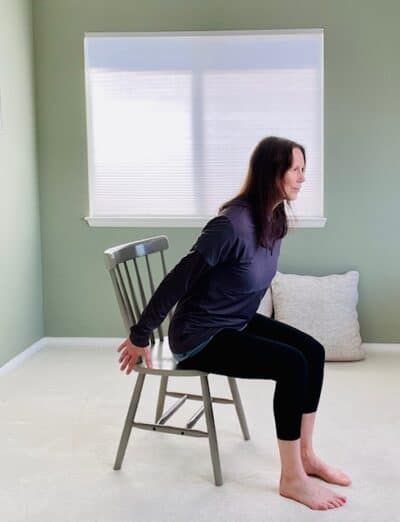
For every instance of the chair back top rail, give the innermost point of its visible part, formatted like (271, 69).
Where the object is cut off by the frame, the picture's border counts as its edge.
(121, 253)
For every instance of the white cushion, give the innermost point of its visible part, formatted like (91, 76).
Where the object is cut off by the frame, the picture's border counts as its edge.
(265, 307)
(324, 307)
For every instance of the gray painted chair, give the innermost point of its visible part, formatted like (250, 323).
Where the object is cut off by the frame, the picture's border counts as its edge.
(164, 365)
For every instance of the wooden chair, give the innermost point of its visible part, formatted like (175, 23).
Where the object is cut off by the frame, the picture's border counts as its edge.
(118, 260)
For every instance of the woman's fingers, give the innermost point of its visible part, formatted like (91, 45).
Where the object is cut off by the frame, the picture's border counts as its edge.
(124, 354)
(129, 361)
(121, 346)
(130, 355)
(128, 364)
(125, 364)
(124, 358)
(147, 358)
(131, 365)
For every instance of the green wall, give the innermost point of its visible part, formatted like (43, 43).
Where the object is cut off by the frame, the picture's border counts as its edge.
(21, 304)
(362, 140)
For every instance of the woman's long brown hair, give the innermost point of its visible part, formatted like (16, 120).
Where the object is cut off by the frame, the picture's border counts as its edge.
(263, 188)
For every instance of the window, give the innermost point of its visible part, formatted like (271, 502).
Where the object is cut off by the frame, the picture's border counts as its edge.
(174, 117)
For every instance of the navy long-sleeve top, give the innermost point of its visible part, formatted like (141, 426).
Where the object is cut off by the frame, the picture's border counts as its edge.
(218, 284)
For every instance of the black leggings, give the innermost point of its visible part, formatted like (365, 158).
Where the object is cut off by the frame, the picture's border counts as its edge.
(270, 349)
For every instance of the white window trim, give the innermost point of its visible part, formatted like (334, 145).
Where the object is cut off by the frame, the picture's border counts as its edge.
(179, 221)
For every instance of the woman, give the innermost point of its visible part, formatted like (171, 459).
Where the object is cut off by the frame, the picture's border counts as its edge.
(218, 286)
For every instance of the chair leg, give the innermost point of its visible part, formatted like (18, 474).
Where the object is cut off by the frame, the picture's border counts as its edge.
(239, 407)
(161, 397)
(130, 417)
(212, 434)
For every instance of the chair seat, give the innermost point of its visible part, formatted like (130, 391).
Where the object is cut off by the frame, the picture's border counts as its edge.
(164, 362)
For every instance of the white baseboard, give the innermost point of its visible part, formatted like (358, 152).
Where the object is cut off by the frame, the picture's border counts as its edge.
(376, 347)
(21, 357)
(57, 342)
(84, 342)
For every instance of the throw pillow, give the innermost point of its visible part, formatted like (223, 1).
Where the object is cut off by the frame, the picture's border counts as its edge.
(324, 307)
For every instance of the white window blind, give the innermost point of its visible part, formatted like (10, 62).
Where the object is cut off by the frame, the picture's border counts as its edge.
(174, 117)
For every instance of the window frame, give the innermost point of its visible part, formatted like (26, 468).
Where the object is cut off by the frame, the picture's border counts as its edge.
(199, 221)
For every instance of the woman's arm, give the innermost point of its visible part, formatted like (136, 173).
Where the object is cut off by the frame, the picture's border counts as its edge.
(214, 245)
(174, 286)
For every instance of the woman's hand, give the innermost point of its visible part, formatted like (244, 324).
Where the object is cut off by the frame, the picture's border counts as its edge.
(130, 355)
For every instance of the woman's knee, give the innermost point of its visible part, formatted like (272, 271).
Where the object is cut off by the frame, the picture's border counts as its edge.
(317, 351)
(313, 350)
(296, 366)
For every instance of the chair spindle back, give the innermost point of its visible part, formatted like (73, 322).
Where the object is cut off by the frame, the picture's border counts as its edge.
(118, 261)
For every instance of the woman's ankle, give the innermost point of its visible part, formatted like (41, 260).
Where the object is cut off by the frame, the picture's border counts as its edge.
(291, 461)
(293, 476)
(306, 452)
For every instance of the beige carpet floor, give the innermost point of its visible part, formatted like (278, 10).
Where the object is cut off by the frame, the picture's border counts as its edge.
(61, 415)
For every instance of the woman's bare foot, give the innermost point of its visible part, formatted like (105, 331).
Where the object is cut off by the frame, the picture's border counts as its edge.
(306, 491)
(316, 467)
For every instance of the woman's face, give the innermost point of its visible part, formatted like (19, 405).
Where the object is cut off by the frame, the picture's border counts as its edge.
(294, 176)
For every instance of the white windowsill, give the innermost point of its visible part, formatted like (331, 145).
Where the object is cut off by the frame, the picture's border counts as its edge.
(179, 222)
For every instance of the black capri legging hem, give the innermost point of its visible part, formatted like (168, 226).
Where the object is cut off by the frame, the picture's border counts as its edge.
(270, 349)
